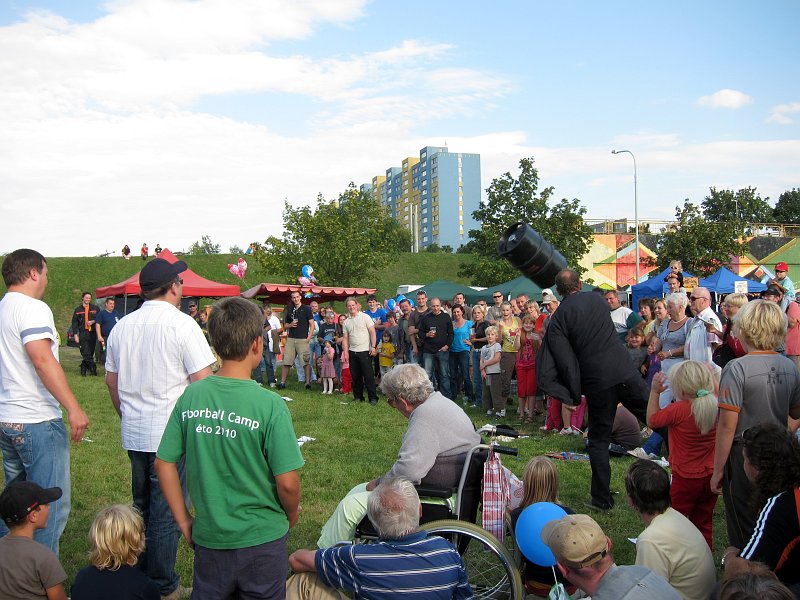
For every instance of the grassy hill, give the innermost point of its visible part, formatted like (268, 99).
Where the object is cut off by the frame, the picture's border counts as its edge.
(71, 276)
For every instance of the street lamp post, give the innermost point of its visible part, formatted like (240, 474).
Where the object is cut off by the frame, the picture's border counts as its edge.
(635, 205)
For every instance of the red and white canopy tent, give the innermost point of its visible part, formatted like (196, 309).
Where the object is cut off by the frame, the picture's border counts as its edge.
(280, 293)
(193, 285)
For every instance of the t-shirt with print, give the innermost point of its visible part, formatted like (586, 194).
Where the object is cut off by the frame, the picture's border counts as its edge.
(236, 437)
(487, 354)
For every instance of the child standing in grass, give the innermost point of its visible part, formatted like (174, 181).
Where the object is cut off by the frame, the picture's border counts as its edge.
(117, 540)
(386, 352)
(28, 569)
(529, 343)
(491, 373)
(241, 461)
(691, 422)
(328, 370)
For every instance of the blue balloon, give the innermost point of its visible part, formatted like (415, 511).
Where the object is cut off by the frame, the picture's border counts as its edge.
(390, 304)
(528, 532)
(411, 302)
(307, 270)
(400, 298)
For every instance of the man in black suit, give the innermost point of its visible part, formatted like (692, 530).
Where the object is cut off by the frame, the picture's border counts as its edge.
(581, 354)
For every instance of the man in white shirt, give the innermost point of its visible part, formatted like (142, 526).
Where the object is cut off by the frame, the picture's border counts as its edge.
(358, 346)
(152, 356)
(33, 388)
(623, 317)
(671, 545)
(700, 343)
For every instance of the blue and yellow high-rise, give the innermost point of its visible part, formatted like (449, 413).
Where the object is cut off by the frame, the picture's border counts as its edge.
(433, 195)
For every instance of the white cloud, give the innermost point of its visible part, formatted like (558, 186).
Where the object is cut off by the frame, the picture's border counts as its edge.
(781, 114)
(726, 98)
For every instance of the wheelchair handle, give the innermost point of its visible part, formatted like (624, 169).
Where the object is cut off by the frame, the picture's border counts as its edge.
(505, 450)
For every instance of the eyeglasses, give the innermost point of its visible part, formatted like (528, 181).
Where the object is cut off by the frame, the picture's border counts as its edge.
(179, 281)
(496, 296)
(693, 298)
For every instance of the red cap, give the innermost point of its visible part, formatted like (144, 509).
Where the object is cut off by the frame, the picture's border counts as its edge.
(782, 266)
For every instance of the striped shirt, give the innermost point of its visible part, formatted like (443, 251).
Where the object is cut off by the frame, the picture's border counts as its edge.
(414, 566)
(775, 537)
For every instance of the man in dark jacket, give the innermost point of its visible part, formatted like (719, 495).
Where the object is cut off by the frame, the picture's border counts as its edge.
(83, 319)
(435, 336)
(581, 354)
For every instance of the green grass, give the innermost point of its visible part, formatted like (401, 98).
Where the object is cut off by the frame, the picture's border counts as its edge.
(354, 442)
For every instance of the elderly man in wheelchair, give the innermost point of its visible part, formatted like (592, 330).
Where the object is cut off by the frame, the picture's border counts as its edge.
(432, 454)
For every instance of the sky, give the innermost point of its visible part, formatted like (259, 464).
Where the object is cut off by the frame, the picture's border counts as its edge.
(161, 121)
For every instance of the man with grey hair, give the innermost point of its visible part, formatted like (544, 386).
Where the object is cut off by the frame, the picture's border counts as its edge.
(700, 342)
(404, 560)
(624, 318)
(433, 450)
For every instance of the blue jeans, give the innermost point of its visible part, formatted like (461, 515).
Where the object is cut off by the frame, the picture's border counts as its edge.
(39, 452)
(161, 531)
(477, 380)
(653, 444)
(267, 365)
(442, 361)
(459, 368)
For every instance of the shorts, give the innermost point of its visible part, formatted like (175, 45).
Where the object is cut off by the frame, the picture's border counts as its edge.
(295, 348)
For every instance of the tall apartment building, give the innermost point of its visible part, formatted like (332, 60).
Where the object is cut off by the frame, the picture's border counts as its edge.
(433, 195)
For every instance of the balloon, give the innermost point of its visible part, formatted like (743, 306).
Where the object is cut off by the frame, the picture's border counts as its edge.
(528, 532)
(411, 302)
(308, 271)
(390, 304)
(304, 281)
(239, 269)
(400, 298)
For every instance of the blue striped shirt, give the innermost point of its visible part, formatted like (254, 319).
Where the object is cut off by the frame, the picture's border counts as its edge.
(415, 565)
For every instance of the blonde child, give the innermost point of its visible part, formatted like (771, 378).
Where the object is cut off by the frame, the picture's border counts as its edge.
(116, 541)
(540, 484)
(691, 422)
(529, 343)
(491, 374)
(328, 370)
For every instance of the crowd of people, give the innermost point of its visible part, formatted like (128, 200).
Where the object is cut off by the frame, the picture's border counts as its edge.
(721, 396)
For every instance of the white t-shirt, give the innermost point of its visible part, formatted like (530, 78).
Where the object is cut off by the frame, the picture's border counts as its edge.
(276, 325)
(23, 397)
(153, 351)
(357, 331)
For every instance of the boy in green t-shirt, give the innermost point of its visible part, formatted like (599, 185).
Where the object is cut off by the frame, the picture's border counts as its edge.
(241, 466)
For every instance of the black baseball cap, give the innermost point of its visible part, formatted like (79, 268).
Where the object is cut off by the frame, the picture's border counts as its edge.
(21, 497)
(159, 272)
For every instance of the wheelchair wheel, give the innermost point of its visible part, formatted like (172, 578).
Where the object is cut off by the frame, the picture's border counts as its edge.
(490, 566)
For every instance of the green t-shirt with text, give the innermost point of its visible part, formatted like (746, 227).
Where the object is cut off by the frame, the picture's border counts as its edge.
(236, 437)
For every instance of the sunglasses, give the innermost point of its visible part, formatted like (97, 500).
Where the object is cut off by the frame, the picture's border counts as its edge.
(496, 296)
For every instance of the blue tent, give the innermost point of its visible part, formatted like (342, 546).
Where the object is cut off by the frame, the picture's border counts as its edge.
(655, 287)
(722, 282)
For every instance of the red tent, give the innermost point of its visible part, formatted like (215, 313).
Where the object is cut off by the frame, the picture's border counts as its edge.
(279, 293)
(193, 284)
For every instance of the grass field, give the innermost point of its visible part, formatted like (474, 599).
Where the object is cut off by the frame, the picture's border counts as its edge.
(354, 442)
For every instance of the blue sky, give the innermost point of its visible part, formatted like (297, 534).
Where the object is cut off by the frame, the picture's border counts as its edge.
(182, 118)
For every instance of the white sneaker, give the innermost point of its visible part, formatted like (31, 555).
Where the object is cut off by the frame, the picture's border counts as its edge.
(565, 431)
(489, 413)
(640, 453)
(502, 413)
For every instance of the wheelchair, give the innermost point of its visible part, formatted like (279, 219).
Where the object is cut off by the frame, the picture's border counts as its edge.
(451, 513)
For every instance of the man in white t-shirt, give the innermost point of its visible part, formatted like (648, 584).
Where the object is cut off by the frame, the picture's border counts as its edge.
(152, 356)
(623, 317)
(33, 388)
(700, 342)
(358, 346)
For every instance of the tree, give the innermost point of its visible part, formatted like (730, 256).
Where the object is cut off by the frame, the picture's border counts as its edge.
(787, 209)
(204, 246)
(746, 205)
(344, 240)
(518, 199)
(235, 249)
(702, 245)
